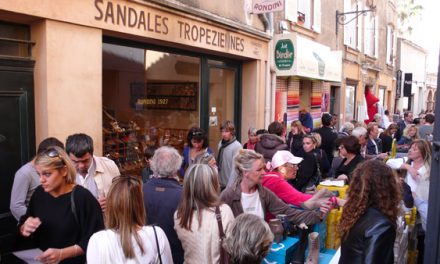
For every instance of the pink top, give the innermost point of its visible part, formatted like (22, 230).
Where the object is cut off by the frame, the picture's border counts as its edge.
(275, 182)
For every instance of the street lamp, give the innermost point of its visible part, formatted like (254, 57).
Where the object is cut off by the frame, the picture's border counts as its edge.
(341, 18)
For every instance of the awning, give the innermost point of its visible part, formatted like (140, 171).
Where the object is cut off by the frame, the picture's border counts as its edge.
(295, 55)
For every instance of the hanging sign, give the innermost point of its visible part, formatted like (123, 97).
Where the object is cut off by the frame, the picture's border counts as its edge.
(267, 6)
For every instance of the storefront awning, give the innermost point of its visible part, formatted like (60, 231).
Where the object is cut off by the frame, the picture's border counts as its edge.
(298, 56)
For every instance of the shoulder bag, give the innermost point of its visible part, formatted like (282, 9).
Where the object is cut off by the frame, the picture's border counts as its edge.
(224, 255)
(157, 245)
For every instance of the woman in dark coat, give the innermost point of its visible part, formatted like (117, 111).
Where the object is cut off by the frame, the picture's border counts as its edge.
(314, 165)
(368, 222)
(350, 150)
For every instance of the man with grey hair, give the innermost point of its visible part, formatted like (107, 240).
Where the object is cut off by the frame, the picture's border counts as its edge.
(162, 195)
(361, 133)
(346, 130)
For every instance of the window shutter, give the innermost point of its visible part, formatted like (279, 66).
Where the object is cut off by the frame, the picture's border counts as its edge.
(367, 39)
(291, 10)
(376, 36)
(347, 8)
(389, 43)
(317, 16)
(359, 26)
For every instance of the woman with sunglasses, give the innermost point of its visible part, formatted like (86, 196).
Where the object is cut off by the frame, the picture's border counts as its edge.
(197, 146)
(61, 216)
(195, 219)
(126, 238)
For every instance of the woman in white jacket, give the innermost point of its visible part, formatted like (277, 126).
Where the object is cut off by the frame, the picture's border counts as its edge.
(126, 239)
(195, 219)
(417, 165)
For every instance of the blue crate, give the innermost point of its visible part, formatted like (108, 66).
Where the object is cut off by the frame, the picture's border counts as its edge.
(283, 252)
(326, 255)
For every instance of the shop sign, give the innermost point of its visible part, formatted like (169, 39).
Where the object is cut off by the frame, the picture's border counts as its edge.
(284, 54)
(311, 59)
(267, 6)
(407, 85)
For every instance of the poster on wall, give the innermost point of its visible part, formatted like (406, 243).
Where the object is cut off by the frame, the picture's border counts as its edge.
(165, 96)
(280, 105)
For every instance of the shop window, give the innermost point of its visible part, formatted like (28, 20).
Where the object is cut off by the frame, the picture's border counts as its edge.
(15, 40)
(150, 98)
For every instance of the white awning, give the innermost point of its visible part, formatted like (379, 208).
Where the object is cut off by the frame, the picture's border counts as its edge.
(311, 59)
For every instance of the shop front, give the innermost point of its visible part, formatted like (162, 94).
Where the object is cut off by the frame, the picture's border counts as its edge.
(306, 73)
(133, 74)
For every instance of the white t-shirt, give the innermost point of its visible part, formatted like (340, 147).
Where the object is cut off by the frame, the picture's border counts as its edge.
(105, 247)
(252, 204)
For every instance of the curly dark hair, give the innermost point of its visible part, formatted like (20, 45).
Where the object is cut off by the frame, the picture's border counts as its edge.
(373, 184)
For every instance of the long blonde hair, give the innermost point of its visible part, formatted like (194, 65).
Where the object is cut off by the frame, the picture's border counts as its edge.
(201, 189)
(125, 211)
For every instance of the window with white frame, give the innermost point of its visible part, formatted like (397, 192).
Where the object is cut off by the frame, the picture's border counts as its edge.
(390, 44)
(306, 13)
(352, 28)
(371, 34)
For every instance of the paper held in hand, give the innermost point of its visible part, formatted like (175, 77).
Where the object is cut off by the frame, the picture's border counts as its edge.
(337, 183)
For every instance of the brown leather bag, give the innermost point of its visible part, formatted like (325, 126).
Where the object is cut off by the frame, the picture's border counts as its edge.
(224, 255)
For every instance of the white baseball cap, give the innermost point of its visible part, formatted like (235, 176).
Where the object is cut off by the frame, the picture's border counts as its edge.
(282, 157)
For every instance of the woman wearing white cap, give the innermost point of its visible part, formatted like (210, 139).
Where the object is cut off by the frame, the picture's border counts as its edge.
(283, 167)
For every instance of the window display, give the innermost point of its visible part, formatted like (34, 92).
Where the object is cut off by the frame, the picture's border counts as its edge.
(150, 98)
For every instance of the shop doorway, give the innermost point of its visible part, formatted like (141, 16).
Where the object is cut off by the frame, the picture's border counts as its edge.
(222, 88)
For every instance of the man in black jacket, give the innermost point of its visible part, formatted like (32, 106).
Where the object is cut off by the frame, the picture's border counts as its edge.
(328, 136)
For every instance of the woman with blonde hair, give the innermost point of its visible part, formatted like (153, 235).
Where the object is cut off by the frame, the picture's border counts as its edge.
(314, 165)
(195, 219)
(59, 198)
(295, 137)
(410, 133)
(247, 245)
(369, 219)
(126, 239)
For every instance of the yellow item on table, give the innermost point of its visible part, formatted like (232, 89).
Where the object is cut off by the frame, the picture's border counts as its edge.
(339, 192)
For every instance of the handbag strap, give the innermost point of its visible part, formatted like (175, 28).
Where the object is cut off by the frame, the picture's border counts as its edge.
(72, 202)
(157, 245)
(318, 164)
(218, 216)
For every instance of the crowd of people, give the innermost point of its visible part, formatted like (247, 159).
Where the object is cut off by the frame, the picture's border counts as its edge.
(76, 207)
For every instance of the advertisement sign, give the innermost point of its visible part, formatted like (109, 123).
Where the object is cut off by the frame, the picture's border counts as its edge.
(299, 56)
(284, 54)
(267, 6)
(407, 85)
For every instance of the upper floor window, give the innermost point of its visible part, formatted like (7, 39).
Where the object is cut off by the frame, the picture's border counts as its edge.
(306, 13)
(390, 45)
(371, 34)
(15, 40)
(353, 29)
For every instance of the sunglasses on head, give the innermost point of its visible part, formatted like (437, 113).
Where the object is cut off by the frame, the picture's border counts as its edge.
(197, 133)
(53, 153)
(127, 177)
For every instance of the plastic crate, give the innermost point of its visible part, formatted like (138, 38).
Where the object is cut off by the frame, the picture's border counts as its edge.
(282, 252)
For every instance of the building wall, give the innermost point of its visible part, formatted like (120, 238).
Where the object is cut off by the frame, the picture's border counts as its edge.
(67, 80)
(413, 60)
(235, 10)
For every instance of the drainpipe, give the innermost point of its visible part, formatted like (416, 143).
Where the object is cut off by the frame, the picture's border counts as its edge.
(267, 20)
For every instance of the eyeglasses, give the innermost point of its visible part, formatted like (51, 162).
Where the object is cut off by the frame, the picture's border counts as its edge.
(290, 165)
(341, 147)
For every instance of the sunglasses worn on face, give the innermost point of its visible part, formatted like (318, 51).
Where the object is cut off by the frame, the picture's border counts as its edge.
(197, 133)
